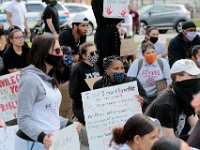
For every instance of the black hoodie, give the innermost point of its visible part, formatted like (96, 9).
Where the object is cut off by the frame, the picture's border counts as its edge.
(77, 85)
(179, 49)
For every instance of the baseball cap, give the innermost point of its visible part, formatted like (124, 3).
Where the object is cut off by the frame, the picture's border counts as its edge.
(67, 50)
(80, 18)
(185, 65)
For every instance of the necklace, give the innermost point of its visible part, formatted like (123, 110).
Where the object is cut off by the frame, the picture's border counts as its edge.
(77, 43)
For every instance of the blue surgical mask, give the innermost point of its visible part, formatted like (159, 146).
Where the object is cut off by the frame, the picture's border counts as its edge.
(118, 77)
(68, 60)
(191, 35)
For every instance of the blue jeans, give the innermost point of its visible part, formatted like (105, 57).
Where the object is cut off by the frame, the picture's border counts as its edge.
(21, 144)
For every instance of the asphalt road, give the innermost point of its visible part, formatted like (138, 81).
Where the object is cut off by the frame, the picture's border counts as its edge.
(139, 38)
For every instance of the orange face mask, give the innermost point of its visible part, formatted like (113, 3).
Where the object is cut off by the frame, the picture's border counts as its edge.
(150, 58)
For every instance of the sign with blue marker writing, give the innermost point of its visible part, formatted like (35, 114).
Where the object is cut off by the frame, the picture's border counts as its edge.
(107, 108)
(115, 8)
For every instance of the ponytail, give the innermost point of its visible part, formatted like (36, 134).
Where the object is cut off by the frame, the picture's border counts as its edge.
(118, 137)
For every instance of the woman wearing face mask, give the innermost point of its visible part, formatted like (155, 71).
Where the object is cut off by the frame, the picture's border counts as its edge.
(195, 54)
(38, 108)
(85, 69)
(138, 133)
(150, 71)
(15, 56)
(173, 108)
(152, 35)
(115, 74)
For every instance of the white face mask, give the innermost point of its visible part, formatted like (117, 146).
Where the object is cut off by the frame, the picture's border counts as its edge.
(191, 35)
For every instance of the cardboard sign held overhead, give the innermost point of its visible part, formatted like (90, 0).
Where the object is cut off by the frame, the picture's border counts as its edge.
(90, 82)
(115, 8)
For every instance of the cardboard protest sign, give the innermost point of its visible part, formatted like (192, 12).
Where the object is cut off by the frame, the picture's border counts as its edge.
(66, 103)
(66, 139)
(90, 82)
(7, 138)
(107, 108)
(8, 95)
(115, 8)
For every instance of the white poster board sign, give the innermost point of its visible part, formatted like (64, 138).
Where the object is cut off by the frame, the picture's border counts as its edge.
(7, 138)
(66, 139)
(115, 8)
(9, 95)
(107, 108)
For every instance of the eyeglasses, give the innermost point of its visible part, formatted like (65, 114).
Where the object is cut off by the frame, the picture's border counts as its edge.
(18, 37)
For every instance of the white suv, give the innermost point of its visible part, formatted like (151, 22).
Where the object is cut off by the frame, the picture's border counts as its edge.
(34, 13)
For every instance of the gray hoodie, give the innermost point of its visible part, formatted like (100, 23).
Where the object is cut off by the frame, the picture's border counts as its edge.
(32, 91)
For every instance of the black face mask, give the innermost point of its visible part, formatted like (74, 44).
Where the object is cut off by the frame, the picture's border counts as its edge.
(184, 91)
(53, 60)
(153, 39)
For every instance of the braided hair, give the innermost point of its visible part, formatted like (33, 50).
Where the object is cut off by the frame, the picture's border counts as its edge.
(107, 61)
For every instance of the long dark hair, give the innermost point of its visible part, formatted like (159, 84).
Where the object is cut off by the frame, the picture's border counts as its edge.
(136, 125)
(166, 143)
(39, 50)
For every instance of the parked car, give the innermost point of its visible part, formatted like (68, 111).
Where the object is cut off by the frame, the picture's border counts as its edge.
(76, 8)
(34, 13)
(163, 16)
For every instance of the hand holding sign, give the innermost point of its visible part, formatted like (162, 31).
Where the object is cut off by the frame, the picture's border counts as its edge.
(47, 141)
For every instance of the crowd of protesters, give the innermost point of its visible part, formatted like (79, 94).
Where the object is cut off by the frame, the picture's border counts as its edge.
(167, 88)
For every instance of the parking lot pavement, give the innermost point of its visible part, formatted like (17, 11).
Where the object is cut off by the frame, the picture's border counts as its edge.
(162, 37)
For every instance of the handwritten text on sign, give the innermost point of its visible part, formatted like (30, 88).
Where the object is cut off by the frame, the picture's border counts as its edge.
(106, 108)
(66, 139)
(115, 8)
(7, 138)
(8, 95)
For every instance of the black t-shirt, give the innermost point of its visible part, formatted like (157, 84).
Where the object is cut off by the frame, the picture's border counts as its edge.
(168, 111)
(51, 12)
(12, 60)
(66, 38)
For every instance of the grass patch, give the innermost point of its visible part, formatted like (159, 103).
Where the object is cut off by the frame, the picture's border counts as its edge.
(197, 21)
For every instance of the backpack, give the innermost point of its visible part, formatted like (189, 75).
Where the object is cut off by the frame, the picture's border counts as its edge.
(140, 63)
(161, 85)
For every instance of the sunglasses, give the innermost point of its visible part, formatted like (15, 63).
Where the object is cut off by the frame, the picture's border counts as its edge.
(57, 50)
(93, 53)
